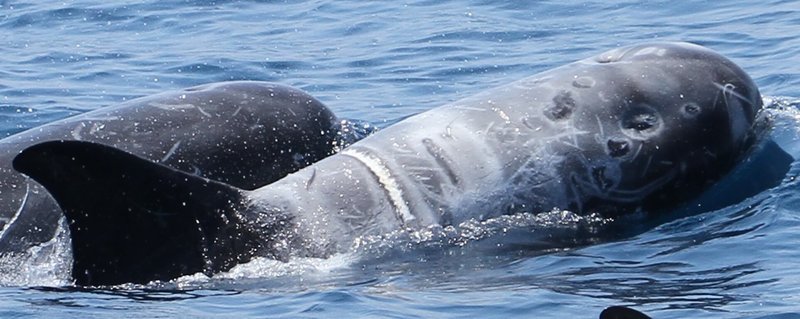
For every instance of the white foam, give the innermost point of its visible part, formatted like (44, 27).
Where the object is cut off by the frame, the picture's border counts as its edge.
(263, 267)
(47, 264)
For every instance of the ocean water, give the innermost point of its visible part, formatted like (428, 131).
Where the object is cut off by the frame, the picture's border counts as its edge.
(380, 62)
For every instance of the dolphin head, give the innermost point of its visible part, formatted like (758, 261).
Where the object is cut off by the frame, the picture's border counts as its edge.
(670, 120)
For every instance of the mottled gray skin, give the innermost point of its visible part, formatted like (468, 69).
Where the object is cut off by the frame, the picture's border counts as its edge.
(246, 134)
(646, 127)
(637, 128)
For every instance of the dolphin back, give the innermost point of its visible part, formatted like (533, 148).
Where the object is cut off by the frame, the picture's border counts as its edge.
(621, 312)
(132, 220)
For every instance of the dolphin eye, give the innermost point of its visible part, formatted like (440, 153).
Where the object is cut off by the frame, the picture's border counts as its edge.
(641, 121)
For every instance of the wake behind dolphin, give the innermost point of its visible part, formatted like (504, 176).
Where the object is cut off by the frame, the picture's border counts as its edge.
(641, 128)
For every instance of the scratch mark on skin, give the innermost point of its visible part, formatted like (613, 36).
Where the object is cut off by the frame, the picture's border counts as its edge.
(600, 137)
(421, 169)
(523, 173)
(647, 166)
(600, 127)
(237, 111)
(572, 134)
(96, 127)
(174, 107)
(570, 144)
(576, 192)
(729, 89)
(21, 207)
(442, 159)
(171, 151)
(171, 107)
(101, 119)
(448, 131)
(76, 132)
(461, 107)
(196, 171)
(736, 115)
(203, 111)
(638, 150)
(311, 179)
(488, 128)
(574, 137)
(625, 195)
(386, 180)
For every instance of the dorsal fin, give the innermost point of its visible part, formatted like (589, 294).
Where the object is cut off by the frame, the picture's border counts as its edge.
(132, 220)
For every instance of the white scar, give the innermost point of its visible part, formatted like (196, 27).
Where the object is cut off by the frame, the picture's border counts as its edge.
(19, 210)
(387, 181)
(170, 152)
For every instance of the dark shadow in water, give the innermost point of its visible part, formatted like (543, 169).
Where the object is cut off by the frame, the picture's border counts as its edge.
(661, 283)
(82, 297)
(713, 231)
(763, 168)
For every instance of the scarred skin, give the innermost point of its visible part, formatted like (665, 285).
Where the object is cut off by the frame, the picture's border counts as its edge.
(246, 134)
(639, 128)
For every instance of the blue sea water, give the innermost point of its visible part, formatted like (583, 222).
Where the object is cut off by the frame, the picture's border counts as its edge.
(382, 61)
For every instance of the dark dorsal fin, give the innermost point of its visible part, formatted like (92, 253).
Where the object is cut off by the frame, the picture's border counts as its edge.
(621, 312)
(132, 220)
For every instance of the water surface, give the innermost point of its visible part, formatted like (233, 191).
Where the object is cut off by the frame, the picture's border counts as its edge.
(382, 61)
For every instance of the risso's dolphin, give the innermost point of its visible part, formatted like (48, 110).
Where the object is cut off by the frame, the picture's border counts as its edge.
(639, 128)
(246, 134)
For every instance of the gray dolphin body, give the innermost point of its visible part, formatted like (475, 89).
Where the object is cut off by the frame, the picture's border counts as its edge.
(637, 128)
(246, 134)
